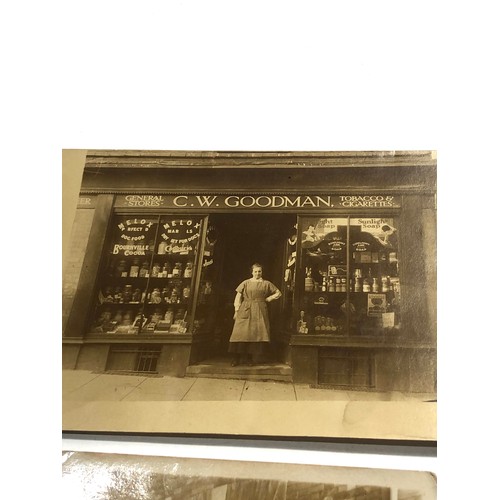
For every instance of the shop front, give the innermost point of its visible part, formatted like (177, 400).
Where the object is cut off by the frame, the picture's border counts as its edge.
(161, 242)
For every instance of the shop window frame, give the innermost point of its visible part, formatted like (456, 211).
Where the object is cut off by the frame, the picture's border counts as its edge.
(301, 273)
(159, 215)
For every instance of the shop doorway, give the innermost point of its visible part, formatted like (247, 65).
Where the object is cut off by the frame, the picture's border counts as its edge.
(242, 240)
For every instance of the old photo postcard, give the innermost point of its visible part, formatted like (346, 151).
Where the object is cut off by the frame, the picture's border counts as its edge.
(286, 294)
(111, 476)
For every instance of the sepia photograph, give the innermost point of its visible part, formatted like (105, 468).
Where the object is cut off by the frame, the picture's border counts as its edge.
(252, 293)
(89, 475)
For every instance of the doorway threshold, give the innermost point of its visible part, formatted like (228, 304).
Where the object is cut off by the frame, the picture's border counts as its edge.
(221, 368)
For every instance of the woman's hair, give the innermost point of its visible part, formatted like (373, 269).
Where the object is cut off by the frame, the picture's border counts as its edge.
(256, 265)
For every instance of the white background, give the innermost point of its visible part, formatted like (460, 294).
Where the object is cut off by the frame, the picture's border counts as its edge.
(261, 75)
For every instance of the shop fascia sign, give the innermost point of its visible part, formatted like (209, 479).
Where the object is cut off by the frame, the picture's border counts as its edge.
(257, 201)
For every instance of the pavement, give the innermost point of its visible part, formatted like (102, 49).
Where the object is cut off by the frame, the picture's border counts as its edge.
(84, 385)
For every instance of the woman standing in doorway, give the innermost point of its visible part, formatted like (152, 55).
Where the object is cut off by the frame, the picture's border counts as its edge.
(251, 326)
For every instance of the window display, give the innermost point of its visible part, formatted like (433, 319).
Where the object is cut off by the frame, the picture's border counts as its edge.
(350, 276)
(148, 276)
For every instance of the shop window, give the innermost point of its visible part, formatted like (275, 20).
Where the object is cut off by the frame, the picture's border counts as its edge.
(148, 277)
(349, 282)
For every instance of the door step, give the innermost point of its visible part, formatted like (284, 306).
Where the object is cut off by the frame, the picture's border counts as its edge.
(270, 371)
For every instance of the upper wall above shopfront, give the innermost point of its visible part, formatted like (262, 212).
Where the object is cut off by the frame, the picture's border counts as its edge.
(187, 171)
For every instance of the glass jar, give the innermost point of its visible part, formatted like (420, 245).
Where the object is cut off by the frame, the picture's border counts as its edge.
(177, 270)
(136, 297)
(166, 270)
(188, 272)
(186, 292)
(121, 269)
(156, 270)
(174, 296)
(162, 248)
(127, 294)
(155, 296)
(144, 271)
(134, 269)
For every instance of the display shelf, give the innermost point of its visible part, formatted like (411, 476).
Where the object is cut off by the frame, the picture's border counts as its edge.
(192, 255)
(121, 304)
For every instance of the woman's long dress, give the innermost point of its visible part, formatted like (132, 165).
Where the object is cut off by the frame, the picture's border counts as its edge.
(251, 327)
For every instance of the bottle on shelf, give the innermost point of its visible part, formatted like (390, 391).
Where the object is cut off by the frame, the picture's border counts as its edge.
(309, 282)
(366, 285)
(343, 285)
(186, 292)
(358, 285)
(118, 297)
(331, 285)
(324, 285)
(375, 285)
(302, 324)
(386, 284)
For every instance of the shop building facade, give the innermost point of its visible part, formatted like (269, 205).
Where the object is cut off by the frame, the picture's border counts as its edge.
(162, 239)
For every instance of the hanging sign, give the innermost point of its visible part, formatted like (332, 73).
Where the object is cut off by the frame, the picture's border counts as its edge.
(290, 202)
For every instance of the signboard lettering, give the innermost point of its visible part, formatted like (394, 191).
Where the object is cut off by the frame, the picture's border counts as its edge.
(258, 201)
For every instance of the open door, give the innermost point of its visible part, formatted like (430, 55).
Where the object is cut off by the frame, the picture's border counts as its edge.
(233, 243)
